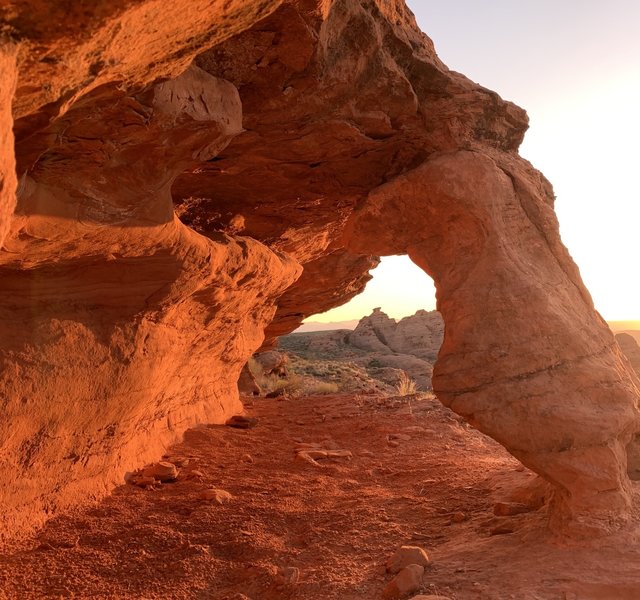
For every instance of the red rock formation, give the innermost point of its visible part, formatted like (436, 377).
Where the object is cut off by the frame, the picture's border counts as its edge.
(526, 358)
(411, 344)
(420, 334)
(111, 309)
(121, 325)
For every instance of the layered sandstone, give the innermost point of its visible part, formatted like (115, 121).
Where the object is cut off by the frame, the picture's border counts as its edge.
(192, 174)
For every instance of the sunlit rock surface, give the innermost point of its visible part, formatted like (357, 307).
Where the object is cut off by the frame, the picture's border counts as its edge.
(420, 334)
(190, 174)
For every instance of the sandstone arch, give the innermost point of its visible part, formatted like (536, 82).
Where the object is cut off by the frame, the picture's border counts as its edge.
(122, 324)
(526, 358)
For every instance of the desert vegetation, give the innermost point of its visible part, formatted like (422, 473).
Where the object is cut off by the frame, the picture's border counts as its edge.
(317, 376)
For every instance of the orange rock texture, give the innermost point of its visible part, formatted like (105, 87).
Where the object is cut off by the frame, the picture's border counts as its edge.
(189, 180)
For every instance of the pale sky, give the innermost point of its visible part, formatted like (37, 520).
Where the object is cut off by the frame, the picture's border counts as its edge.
(574, 65)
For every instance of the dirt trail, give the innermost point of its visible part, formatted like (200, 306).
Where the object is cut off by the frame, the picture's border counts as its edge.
(336, 523)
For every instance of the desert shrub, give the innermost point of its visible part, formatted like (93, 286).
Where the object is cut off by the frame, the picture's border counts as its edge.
(405, 386)
(265, 382)
(321, 387)
(374, 364)
(273, 382)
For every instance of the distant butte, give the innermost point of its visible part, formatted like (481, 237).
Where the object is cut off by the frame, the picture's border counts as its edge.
(181, 186)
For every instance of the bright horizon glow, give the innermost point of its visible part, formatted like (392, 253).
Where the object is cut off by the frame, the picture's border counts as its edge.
(398, 286)
(575, 68)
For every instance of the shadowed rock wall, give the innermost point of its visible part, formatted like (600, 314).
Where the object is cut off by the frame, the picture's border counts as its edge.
(193, 173)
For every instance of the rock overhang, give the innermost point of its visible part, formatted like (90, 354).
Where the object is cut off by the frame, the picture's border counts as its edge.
(355, 140)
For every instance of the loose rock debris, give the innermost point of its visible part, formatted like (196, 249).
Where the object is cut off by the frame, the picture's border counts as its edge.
(278, 529)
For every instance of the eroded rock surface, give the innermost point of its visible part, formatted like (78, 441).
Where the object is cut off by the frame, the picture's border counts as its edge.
(193, 173)
(511, 358)
(630, 348)
(411, 344)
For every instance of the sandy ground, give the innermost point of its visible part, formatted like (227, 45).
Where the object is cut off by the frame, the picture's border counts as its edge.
(336, 523)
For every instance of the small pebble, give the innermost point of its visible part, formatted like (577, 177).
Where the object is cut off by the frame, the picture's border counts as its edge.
(501, 530)
(142, 481)
(215, 494)
(403, 437)
(289, 575)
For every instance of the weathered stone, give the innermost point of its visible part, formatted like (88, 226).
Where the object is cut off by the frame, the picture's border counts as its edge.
(216, 495)
(162, 471)
(289, 575)
(407, 581)
(272, 362)
(311, 453)
(314, 454)
(410, 344)
(402, 437)
(503, 337)
(503, 529)
(241, 422)
(144, 481)
(247, 384)
(405, 556)
(339, 454)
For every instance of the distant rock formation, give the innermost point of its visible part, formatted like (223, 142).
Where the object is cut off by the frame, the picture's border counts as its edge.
(420, 335)
(379, 342)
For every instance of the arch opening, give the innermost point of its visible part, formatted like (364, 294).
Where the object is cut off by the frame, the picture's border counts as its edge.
(514, 362)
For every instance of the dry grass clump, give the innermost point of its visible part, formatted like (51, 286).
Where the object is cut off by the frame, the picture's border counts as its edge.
(322, 387)
(267, 383)
(294, 384)
(405, 386)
